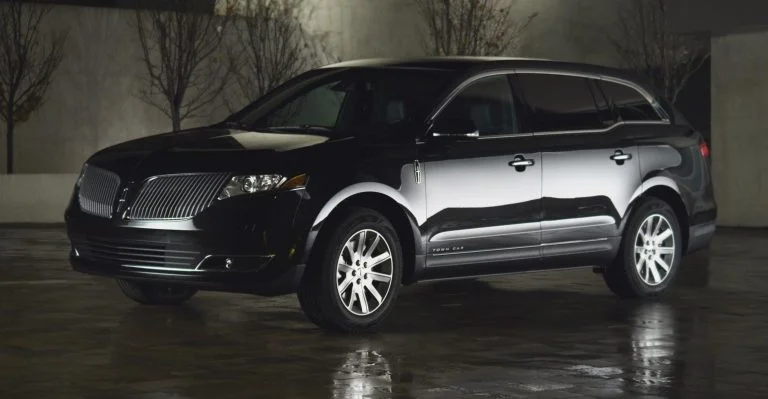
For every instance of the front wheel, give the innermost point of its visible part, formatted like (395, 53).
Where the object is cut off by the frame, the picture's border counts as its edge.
(650, 254)
(155, 294)
(352, 285)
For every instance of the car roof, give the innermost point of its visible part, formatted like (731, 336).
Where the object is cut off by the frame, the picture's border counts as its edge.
(448, 62)
(473, 65)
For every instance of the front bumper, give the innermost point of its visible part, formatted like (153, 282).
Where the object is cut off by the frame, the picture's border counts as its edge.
(262, 283)
(249, 244)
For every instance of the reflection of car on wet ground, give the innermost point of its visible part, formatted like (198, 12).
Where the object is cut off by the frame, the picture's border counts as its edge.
(545, 343)
(350, 180)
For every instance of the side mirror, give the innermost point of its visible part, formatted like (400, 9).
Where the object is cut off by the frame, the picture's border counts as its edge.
(454, 127)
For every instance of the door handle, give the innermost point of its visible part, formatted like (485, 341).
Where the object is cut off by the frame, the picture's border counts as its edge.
(619, 156)
(520, 163)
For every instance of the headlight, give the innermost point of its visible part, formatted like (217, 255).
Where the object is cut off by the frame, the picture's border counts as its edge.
(251, 184)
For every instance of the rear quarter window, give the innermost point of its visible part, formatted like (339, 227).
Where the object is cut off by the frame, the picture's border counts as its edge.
(628, 104)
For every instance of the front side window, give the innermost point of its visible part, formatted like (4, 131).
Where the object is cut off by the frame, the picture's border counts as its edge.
(348, 102)
(559, 103)
(488, 103)
(628, 104)
(318, 107)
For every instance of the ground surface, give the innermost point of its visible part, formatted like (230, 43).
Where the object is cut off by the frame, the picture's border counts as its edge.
(556, 334)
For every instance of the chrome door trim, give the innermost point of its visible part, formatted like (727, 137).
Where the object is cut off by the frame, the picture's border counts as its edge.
(665, 120)
(483, 232)
(563, 224)
(552, 244)
(522, 247)
(599, 131)
(463, 85)
(648, 96)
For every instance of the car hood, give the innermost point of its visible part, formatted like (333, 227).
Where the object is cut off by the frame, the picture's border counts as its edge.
(210, 150)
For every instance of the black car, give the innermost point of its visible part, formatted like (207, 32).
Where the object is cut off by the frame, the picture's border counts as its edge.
(351, 180)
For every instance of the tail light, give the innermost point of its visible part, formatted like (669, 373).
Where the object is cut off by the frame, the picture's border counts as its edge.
(704, 148)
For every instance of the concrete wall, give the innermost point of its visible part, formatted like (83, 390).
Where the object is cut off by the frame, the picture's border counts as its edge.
(572, 30)
(38, 198)
(717, 16)
(739, 133)
(92, 102)
(739, 86)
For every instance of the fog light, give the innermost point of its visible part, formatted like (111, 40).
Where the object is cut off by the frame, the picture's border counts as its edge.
(245, 263)
(74, 251)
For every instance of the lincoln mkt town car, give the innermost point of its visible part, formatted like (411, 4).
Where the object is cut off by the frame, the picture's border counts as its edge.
(349, 181)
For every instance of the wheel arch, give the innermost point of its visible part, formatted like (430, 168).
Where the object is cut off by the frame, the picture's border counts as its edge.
(391, 207)
(667, 191)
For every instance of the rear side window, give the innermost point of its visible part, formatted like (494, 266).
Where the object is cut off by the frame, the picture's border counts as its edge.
(628, 104)
(559, 103)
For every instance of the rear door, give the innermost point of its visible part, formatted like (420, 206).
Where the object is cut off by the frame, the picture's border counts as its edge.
(590, 169)
(483, 193)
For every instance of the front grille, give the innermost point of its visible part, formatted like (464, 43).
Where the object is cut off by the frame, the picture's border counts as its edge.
(136, 253)
(176, 196)
(98, 189)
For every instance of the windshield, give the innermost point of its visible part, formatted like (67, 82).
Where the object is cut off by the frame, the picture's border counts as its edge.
(346, 102)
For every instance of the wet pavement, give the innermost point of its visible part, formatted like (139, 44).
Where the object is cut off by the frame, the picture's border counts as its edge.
(548, 335)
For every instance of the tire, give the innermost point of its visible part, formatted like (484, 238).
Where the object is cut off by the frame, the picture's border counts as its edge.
(155, 294)
(356, 308)
(632, 273)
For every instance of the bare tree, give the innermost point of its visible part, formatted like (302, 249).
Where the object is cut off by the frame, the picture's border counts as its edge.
(645, 44)
(471, 27)
(183, 55)
(28, 58)
(272, 46)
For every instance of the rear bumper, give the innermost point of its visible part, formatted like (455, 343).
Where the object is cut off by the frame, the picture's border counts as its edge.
(699, 236)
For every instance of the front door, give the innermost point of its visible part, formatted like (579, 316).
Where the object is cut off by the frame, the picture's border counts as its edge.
(483, 193)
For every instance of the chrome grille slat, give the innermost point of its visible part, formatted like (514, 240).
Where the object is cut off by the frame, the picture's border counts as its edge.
(149, 251)
(133, 259)
(98, 190)
(182, 206)
(134, 256)
(176, 196)
(190, 206)
(167, 197)
(161, 199)
(200, 202)
(136, 253)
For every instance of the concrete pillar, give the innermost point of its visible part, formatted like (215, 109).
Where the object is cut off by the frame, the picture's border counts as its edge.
(740, 128)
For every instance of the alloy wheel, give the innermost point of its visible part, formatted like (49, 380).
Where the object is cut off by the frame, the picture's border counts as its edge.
(364, 272)
(654, 249)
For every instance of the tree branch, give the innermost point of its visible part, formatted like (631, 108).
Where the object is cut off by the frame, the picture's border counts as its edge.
(470, 27)
(644, 43)
(179, 49)
(271, 46)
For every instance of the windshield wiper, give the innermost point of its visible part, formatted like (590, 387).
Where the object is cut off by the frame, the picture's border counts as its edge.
(303, 128)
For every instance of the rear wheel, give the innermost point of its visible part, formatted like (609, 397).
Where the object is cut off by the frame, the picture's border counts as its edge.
(352, 285)
(650, 253)
(155, 294)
